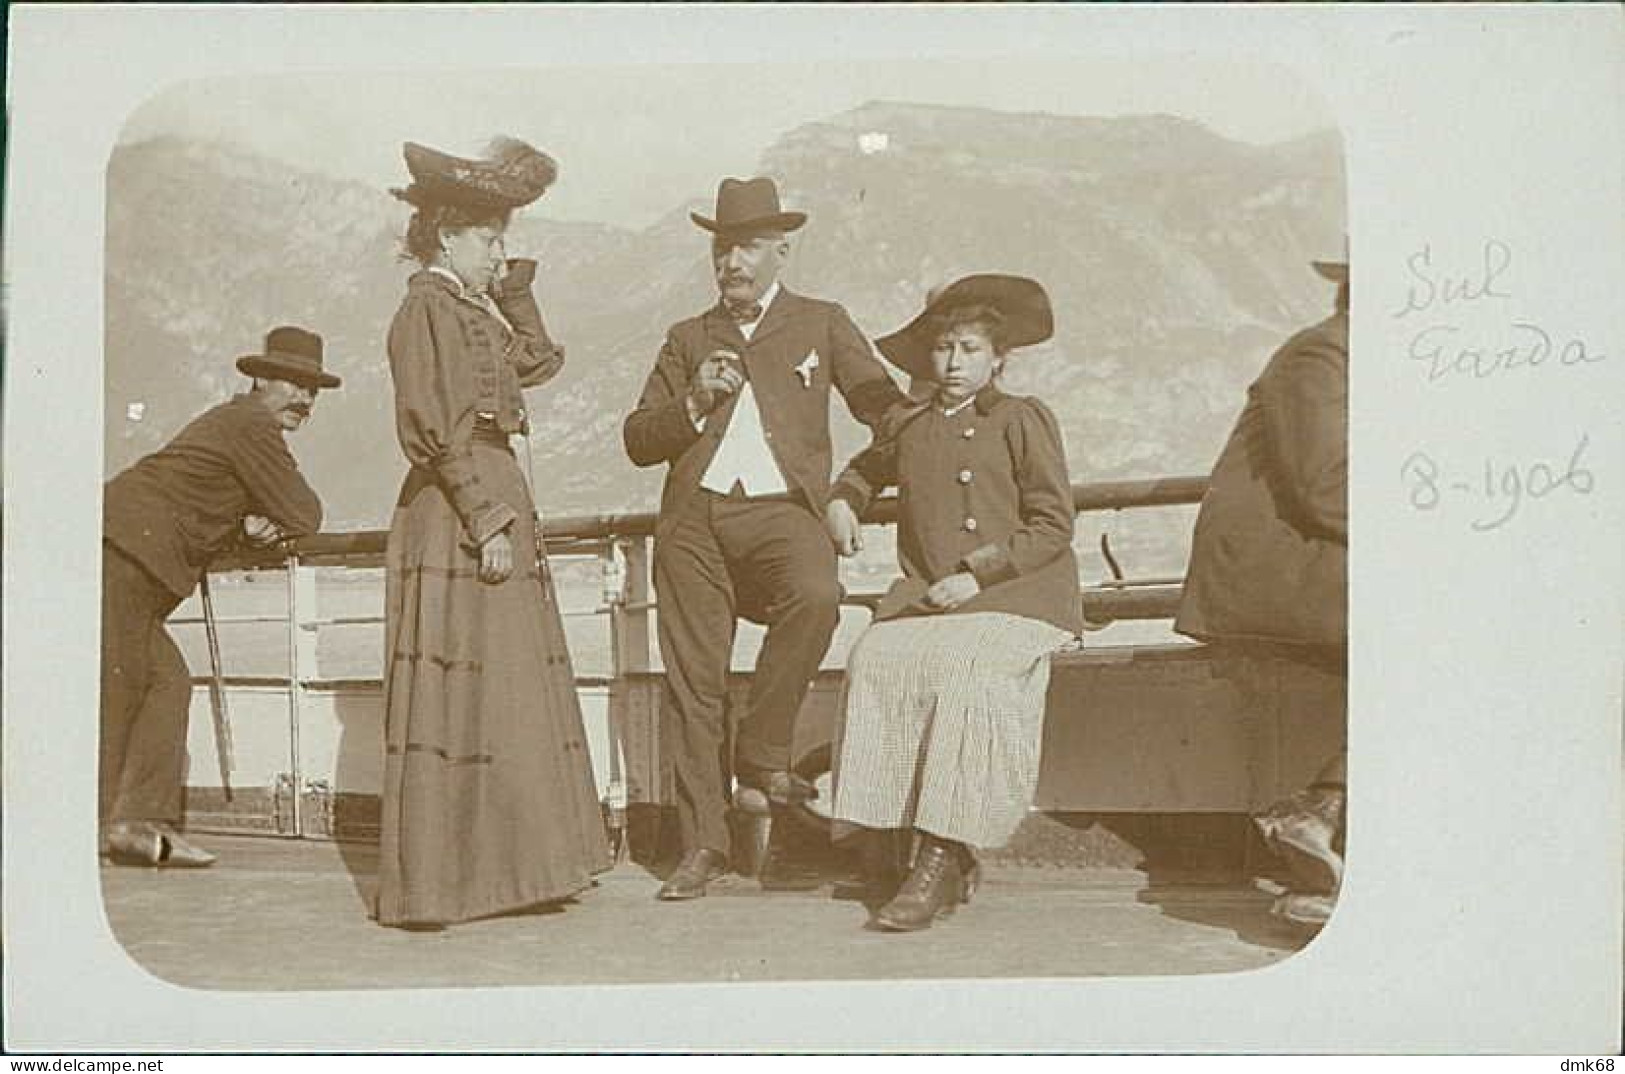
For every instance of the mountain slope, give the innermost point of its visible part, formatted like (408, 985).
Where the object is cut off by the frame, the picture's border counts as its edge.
(1176, 261)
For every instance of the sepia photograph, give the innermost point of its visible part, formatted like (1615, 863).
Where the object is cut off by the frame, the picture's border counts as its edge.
(531, 593)
(850, 518)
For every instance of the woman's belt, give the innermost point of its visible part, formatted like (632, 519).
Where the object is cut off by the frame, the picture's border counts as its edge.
(486, 431)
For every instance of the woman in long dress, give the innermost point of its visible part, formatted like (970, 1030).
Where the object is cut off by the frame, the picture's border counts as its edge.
(937, 745)
(489, 803)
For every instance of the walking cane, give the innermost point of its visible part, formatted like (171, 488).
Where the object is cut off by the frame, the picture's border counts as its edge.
(543, 575)
(217, 692)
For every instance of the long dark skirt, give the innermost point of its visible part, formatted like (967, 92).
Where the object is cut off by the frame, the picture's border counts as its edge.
(489, 804)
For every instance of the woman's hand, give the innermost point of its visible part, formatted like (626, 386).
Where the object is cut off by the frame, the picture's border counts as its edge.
(844, 529)
(496, 559)
(952, 591)
(515, 277)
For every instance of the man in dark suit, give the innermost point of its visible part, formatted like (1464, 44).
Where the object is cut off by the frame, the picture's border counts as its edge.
(1269, 565)
(227, 475)
(738, 406)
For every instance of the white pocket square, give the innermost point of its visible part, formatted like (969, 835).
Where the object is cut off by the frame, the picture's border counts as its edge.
(805, 369)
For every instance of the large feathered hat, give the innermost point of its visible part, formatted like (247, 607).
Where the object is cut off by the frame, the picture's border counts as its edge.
(511, 174)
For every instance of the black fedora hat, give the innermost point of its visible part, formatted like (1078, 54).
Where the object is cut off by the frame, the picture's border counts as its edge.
(1022, 302)
(749, 205)
(513, 173)
(291, 354)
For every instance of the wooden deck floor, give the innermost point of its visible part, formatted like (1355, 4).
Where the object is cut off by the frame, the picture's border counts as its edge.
(291, 915)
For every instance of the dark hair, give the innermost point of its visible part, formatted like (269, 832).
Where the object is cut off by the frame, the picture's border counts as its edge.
(986, 317)
(422, 239)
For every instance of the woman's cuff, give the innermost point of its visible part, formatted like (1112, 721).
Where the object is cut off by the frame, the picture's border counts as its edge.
(852, 494)
(487, 520)
(520, 276)
(989, 565)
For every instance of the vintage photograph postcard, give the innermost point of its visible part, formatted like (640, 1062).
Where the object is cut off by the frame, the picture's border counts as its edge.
(614, 518)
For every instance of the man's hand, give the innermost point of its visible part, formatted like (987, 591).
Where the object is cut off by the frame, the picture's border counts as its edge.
(260, 531)
(843, 526)
(952, 591)
(718, 377)
(496, 559)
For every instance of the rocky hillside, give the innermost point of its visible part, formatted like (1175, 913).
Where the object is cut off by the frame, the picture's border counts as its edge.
(1176, 260)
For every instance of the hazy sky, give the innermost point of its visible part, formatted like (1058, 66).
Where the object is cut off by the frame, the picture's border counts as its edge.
(635, 141)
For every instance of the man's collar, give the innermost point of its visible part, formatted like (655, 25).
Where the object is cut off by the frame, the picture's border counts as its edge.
(768, 296)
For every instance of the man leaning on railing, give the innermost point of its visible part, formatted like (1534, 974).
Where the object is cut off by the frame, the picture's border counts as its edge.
(227, 475)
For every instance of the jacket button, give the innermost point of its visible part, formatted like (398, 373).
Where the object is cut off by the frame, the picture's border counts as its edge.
(965, 477)
(970, 525)
(969, 432)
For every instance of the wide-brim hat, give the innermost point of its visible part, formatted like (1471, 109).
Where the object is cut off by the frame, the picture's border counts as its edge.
(291, 354)
(749, 205)
(1022, 302)
(511, 174)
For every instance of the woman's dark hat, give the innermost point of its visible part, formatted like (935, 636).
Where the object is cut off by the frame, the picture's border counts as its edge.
(749, 205)
(1025, 307)
(291, 354)
(510, 175)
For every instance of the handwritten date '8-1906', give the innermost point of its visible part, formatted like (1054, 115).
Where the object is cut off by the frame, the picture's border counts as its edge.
(1504, 487)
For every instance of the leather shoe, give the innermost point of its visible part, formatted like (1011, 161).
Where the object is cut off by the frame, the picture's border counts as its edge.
(885, 854)
(1303, 830)
(697, 869)
(1312, 911)
(781, 788)
(179, 852)
(128, 842)
(970, 873)
(155, 845)
(933, 889)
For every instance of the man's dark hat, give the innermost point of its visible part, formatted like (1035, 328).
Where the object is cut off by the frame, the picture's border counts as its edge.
(1021, 301)
(1336, 271)
(511, 174)
(749, 205)
(291, 354)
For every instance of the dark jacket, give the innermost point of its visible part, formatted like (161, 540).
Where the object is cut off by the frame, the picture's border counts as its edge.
(1269, 559)
(984, 491)
(795, 416)
(175, 510)
(455, 367)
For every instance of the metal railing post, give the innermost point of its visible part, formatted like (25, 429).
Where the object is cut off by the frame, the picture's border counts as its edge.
(301, 666)
(629, 616)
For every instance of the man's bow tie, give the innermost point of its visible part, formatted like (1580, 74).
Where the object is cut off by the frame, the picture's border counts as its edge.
(744, 312)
